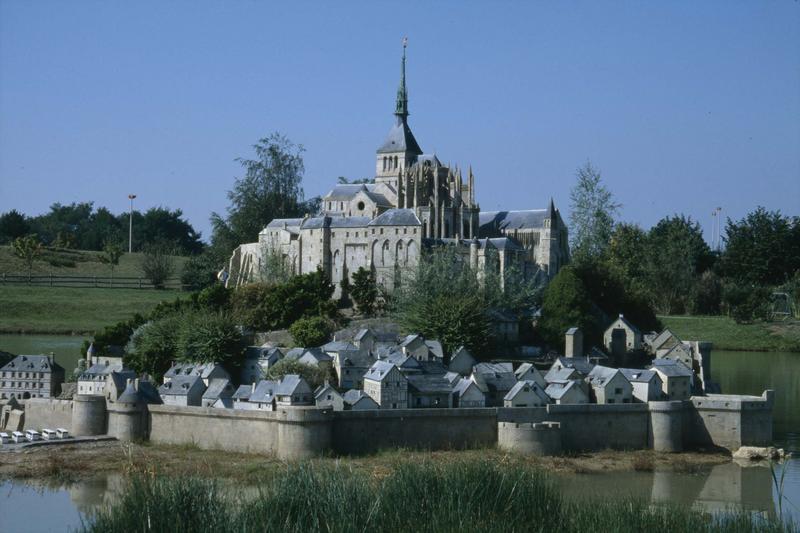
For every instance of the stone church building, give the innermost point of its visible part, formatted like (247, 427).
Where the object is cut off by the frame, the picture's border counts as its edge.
(414, 202)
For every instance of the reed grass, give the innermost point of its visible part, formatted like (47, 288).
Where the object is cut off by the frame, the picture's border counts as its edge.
(424, 497)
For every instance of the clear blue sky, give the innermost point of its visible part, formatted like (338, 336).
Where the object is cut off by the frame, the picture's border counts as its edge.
(684, 106)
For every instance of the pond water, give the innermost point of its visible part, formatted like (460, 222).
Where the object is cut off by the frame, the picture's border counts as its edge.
(721, 487)
(65, 347)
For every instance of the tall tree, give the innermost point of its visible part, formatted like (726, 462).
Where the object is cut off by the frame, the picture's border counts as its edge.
(763, 248)
(676, 256)
(270, 188)
(593, 212)
(13, 225)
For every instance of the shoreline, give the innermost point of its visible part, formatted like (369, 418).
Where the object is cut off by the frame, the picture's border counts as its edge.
(74, 462)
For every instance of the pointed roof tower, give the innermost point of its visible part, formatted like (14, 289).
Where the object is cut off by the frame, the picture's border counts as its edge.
(401, 106)
(400, 138)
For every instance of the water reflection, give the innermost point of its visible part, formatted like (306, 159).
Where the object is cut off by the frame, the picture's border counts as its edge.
(719, 488)
(722, 487)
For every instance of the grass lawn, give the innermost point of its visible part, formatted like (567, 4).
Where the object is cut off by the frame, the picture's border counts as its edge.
(63, 262)
(728, 335)
(59, 310)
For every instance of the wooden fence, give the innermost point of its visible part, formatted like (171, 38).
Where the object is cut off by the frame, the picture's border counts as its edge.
(99, 282)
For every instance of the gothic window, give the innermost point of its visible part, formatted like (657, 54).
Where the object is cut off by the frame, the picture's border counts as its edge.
(384, 163)
(395, 161)
(401, 258)
(385, 254)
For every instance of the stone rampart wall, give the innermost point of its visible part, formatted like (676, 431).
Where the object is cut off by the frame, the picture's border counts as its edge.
(48, 413)
(724, 421)
(293, 433)
(357, 432)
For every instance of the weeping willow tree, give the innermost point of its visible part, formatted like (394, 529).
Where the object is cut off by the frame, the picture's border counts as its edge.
(444, 299)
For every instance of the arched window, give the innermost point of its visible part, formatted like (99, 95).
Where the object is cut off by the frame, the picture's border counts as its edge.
(395, 161)
(385, 254)
(400, 257)
(384, 163)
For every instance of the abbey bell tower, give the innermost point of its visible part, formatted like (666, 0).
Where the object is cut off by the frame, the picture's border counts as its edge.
(400, 149)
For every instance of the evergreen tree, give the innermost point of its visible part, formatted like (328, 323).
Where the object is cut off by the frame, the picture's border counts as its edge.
(593, 212)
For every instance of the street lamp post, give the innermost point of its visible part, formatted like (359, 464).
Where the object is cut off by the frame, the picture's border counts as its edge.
(130, 225)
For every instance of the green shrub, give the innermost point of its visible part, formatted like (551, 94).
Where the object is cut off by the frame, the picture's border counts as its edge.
(364, 290)
(746, 303)
(266, 307)
(311, 331)
(314, 375)
(208, 337)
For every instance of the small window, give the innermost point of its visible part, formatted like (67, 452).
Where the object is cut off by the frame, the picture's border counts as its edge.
(618, 391)
(360, 206)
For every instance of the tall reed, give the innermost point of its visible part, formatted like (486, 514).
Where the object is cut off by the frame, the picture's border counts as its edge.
(426, 497)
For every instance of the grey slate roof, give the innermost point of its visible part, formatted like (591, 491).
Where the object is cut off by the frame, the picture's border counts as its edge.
(601, 375)
(435, 347)
(403, 361)
(510, 220)
(289, 384)
(493, 368)
(295, 353)
(146, 393)
(429, 384)
(452, 377)
(560, 375)
(460, 386)
(349, 222)
(290, 222)
(218, 388)
(339, 346)
(317, 353)
(500, 382)
(101, 370)
(626, 322)
(353, 396)
(396, 217)
(316, 222)
(557, 390)
(433, 367)
(661, 338)
(264, 392)
(578, 363)
(522, 369)
(243, 393)
(178, 386)
(191, 369)
(408, 339)
(40, 363)
(363, 333)
(671, 368)
(379, 370)
(344, 192)
(635, 375)
(520, 385)
(325, 389)
(400, 139)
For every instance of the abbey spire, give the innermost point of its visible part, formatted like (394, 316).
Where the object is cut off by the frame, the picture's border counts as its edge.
(400, 149)
(401, 106)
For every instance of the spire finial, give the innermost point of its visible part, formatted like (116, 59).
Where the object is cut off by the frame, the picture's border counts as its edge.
(401, 106)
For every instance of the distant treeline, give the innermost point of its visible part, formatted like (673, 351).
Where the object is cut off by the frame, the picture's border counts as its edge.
(81, 226)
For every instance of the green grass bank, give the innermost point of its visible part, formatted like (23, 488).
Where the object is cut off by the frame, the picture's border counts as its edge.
(66, 311)
(480, 496)
(64, 262)
(726, 334)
